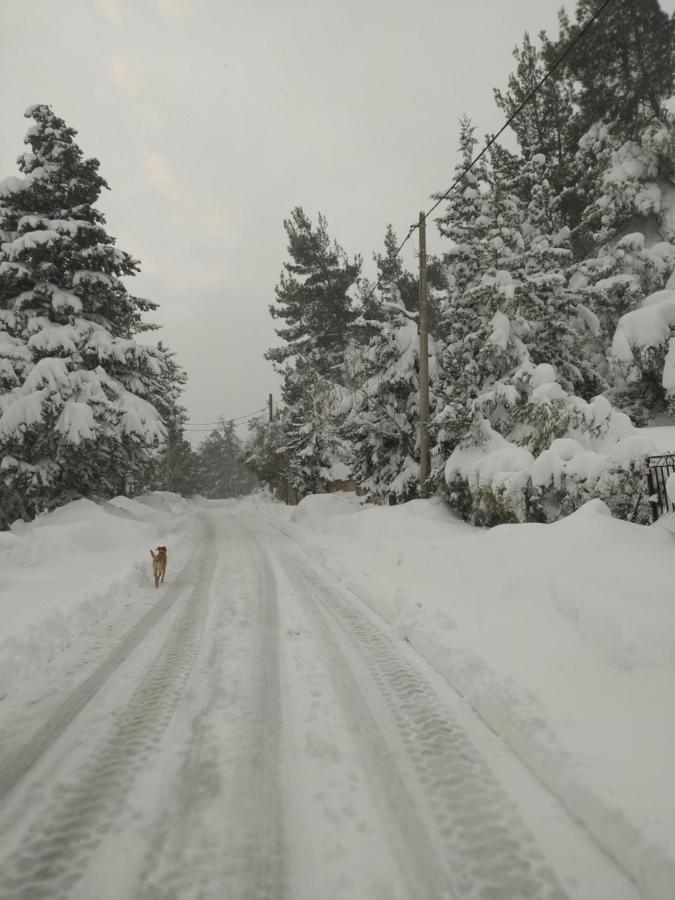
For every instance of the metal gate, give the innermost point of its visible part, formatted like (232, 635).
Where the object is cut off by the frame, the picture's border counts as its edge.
(658, 470)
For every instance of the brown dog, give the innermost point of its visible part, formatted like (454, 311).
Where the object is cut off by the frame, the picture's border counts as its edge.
(158, 564)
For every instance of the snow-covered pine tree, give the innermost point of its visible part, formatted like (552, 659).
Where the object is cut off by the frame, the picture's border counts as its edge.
(621, 74)
(466, 224)
(572, 245)
(543, 125)
(311, 426)
(382, 410)
(628, 233)
(380, 413)
(523, 311)
(547, 309)
(314, 303)
(76, 408)
(175, 468)
(624, 68)
(393, 274)
(265, 450)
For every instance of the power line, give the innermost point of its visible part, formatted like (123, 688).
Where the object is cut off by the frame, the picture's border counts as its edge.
(227, 419)
(492, 140)
(520, 108)
(209, 426)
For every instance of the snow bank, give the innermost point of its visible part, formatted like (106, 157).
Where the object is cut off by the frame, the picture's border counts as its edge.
(317, 507)
(61, 572)
(562, 638)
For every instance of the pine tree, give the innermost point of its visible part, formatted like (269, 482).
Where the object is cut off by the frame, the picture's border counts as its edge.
(313, 442)
(175, 469)
(546, 307)
(393, 274)
(313, 303)
(466, 218)
(76, 409)
(544, 124)
(381, 423)
(516, 312)
(481, 221)
(624, 68)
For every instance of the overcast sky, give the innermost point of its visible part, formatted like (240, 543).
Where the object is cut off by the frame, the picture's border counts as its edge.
(212, 119)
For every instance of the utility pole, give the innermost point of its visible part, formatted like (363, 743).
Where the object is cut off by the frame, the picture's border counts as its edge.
(425, 461)
(269, 405)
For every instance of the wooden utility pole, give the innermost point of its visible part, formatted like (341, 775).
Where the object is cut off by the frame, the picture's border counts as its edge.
(425, 461)
(269, 405)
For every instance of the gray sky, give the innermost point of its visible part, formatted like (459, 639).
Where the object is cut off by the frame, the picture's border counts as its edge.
(212, 120)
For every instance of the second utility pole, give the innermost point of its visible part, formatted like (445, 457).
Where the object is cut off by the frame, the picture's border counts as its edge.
(425, 462)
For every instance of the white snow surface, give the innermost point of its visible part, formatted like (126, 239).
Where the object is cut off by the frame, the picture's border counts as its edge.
(61, 572)
(561, 637)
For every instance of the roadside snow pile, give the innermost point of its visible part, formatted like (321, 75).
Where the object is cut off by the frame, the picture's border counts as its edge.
(62, 572)
(318, 507)
(561, 637)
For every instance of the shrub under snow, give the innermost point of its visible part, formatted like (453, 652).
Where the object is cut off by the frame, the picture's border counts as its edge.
(600, 454)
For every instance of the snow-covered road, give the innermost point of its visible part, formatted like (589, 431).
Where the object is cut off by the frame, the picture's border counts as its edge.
(256, 731)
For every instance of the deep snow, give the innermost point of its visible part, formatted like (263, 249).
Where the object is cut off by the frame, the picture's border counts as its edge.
(561, 637)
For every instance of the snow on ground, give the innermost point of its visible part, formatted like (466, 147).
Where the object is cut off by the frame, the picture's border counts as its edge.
(62, 572)
(562, 637)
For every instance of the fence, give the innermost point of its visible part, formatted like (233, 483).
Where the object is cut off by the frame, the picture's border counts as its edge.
(658, 470)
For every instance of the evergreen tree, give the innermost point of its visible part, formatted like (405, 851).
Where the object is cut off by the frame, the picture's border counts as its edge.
(544, 304)
(544, 124)
(401, 286)
(313, 442)
(313, 303)
(465, 220)
(76, 413)
(313, 300)
(222, 472)
(175, 469)
(393, 275)
(481, 221)
(624, 68)
(516, 312)
(381, 422)
(265, 451)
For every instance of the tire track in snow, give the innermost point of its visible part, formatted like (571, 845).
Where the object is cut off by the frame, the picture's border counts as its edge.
(460, 831)
(17, 763)
(52, 856)
(224, 833)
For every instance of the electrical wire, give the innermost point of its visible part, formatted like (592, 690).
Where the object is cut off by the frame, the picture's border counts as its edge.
(492, 140)
(238, 420)
(520, 108)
